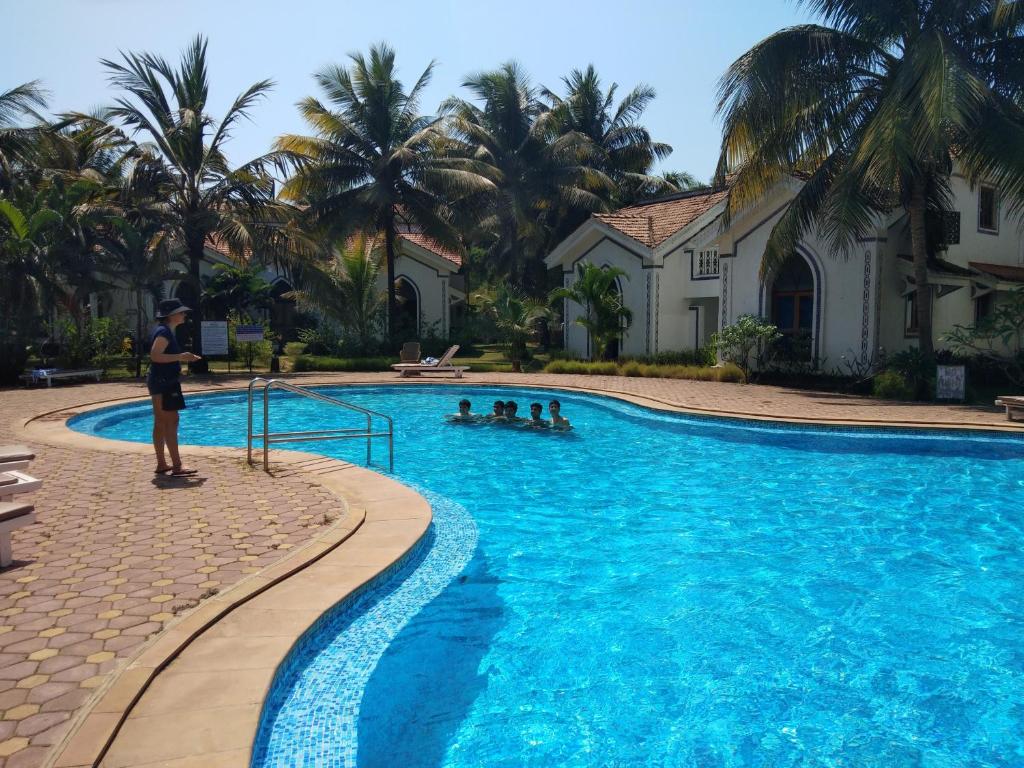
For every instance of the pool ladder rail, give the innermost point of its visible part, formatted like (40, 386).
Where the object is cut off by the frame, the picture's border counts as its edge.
(269, 437)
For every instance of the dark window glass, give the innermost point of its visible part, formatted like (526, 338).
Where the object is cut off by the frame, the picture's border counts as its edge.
(987, 209)
(806, 307)
(785, 312)
(982, 307)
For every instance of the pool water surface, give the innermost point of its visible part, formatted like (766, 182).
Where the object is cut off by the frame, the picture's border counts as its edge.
(655, 589)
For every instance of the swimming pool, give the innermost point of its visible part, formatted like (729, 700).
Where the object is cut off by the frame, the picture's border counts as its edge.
(664, 590)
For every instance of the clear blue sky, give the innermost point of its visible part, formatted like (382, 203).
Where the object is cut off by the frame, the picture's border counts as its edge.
(680, 48)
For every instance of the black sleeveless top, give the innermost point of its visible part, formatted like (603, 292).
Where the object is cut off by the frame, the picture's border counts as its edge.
(165, 371)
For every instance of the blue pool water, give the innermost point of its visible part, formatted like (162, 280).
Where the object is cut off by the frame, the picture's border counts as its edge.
(660, 590)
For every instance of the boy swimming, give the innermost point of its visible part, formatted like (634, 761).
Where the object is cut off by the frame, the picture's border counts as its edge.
(536, 414)
(557, 420)
(464, 413)
(510, 411)
(499, 411)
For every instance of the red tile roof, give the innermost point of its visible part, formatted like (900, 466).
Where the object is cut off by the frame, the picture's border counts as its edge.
(1002, 271)
(433, 246)
(654, 222)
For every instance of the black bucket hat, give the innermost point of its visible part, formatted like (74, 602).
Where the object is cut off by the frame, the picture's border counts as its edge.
(170, 307)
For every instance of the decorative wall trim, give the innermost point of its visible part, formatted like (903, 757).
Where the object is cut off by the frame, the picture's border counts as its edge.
(657, 311)
(647, 330)
(725, 296)
(865, 316)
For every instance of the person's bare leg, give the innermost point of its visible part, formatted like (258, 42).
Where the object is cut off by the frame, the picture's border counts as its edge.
(171, 437)
(158, 433)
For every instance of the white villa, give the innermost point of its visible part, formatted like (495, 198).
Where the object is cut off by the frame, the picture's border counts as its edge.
(687, 276)
(426, 280)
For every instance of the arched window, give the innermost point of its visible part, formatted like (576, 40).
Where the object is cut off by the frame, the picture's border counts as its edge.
(408, 297)
(792, 306)
(793, 297)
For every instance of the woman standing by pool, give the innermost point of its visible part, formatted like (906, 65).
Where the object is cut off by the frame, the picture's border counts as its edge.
(165, 387)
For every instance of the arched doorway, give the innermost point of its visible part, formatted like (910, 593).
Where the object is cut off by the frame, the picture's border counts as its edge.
(792, 307)
(612, 352)
(408, 320)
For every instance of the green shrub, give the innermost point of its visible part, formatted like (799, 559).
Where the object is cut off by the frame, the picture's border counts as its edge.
(634, 368)
(317, 363)
(890, 385)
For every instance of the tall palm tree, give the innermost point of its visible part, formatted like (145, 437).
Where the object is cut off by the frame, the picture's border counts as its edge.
(873, 107)
(538, 171)
(374, 163)
(205, 196)
(16, 141)
(622, 148)
(605, 315)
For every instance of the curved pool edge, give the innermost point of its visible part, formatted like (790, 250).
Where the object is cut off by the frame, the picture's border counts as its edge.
(99, 724)
(383, 521)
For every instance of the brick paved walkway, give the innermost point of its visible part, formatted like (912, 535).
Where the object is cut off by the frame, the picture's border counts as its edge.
(115, 555)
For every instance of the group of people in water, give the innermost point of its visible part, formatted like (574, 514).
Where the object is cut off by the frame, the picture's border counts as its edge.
(505, 412)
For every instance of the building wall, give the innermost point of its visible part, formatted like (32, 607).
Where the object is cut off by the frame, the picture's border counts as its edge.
(431, 290)
(844, 321)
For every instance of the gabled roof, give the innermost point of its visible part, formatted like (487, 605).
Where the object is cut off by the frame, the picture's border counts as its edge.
(433, 246)
(654, 222)
(1002, 271)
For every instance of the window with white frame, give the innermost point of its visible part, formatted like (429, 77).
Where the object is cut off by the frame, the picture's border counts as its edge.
(704, 264)
(988, 210)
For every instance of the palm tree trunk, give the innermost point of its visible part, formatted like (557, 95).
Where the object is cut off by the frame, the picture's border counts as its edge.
(195, 260)
(138, 332)
(919, 251)
(389, 250)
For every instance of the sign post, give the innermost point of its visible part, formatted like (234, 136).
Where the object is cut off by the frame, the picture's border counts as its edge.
(249, 334)
(215, 339)
(950, 382)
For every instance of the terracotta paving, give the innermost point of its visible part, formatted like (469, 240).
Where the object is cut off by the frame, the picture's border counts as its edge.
(116, 554)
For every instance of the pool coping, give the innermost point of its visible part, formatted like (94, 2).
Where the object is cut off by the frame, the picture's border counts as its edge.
(101, 723)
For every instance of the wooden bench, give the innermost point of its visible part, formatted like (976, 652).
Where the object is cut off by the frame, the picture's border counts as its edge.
(1014, 405)
(49, 376)
(12, 517)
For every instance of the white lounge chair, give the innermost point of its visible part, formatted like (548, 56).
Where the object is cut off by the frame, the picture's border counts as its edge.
(12, 517)
(13, 483)
(441, 366)
(410, 352)
(1014, 405)
(50, 375)
(14, 457)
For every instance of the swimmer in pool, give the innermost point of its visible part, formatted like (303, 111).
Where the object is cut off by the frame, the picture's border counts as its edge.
(536, 416)
(499, 411)
(510, 411)
(464, 414)
(557, 420)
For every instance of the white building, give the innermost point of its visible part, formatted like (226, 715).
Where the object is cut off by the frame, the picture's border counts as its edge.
(688, 276)
(426, 279)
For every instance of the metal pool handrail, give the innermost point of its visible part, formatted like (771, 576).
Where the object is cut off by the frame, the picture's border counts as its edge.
(269, 437)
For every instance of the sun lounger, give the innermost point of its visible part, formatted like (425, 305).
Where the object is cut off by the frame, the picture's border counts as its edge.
(49, 375)
(9, 453)
(443, 365)
(13, 483)
(1014, 405)
(12, 517)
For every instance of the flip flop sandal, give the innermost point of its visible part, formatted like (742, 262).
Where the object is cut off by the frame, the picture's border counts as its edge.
(183, 472)
(162, 470)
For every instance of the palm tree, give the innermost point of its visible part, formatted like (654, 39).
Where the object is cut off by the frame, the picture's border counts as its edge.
(374, 163)
(515, 315)
(539, 173)
(873, 107)
(623, 149)
(16, 142)
(205, 196)
(604, 315)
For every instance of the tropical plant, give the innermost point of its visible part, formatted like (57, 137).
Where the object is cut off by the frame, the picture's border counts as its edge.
(17, 141)
(375, 163)
(206, 198)
(998, 338)
(233, 289)
(515, 315)
(539, 174)
(872, 108)
(605, 316)
(621, 148)
(749, 335)
(354, 297)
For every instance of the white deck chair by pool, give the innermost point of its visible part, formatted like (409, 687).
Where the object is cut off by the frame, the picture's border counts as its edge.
(443, 365)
